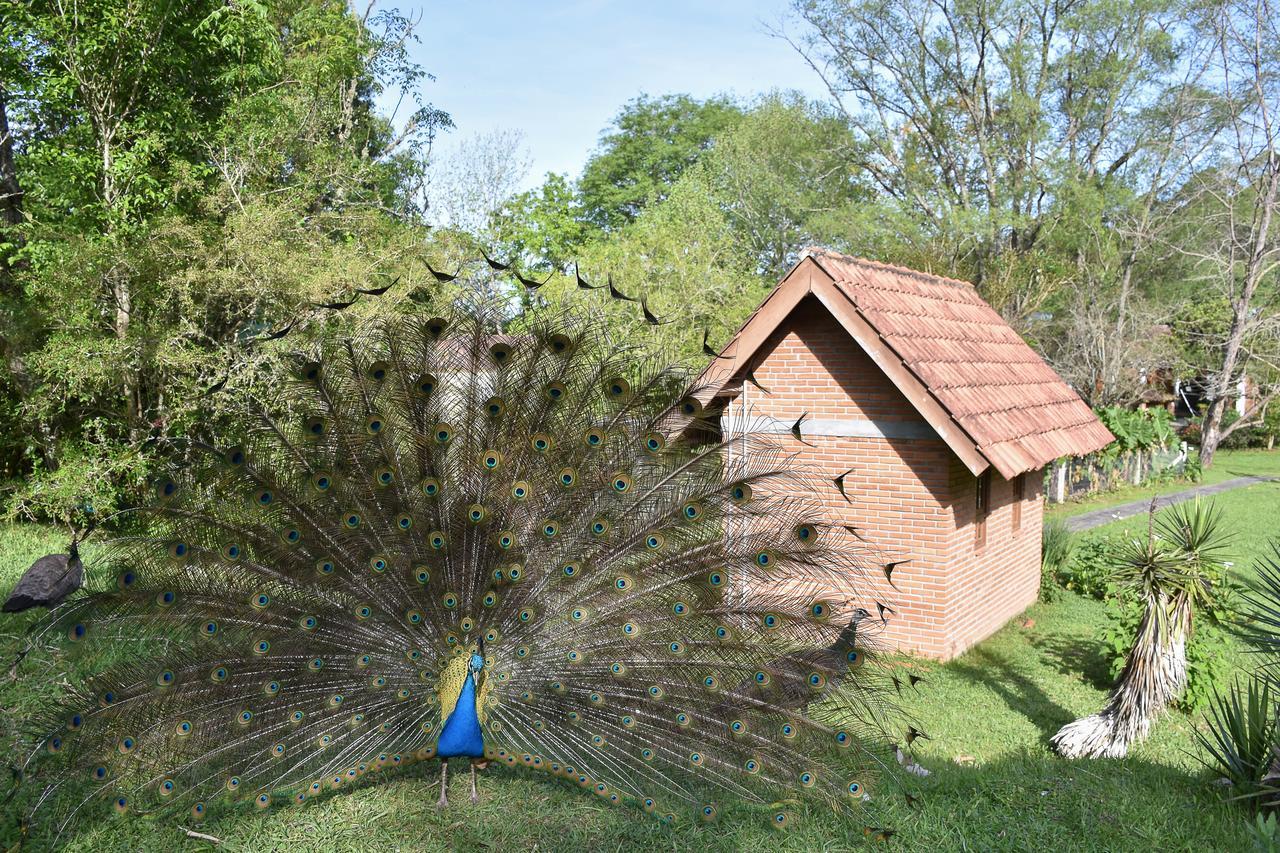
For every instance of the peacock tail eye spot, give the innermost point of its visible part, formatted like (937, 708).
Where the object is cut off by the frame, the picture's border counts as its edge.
(540, 442)
(245, 717)
(781, 820)
(165, 678)
(520, 490)
(218, 674)
(817, 680)
(108, 697)
(709, 812)
(842, 738)
(716, 579)
(555, 391)
(675, 647)
(567, 477)
(430, 487)
(234, 457)
(99, 773)
(500, 352)
(618, 389)
(414, 617)
(436, 326)
(737, 727)
(325, 567)
(679, 608)
(262, 647)
(656, 691)
(506, 540)
(166, 787)
(805, 532)
(436, 540)
(692, 511)
(622, 583)
(315, 665)
(121, 805)
(560, 344)
(374, 424)
(646, 754)
(179, 550)
(710, 682)
(514, 572)
(740, 493)
(378, 371)
(491, 460)
(690, 407)
(808, 778)
(425, 384)
(654, 541)
(489, 600)
(166, 598)
(764, 559)
(308, 623)
(855, 788)
(78, 631)
(232, 552)
(443, 433)
(653, 442)
(695, 758)
(526, 615)
(271, 688)
(449, 600)
(363, 611)
(476, 513)
(197, 811)
(384, 477)
(593, 438)
(351, 520)
(770, 620)
(378, 564)
(550, 529)
(630, 629)
(260, 601)
(54, 744)
(315, 427)
(600, 526)
(788, 730)
(404, 522)
(621, 483)
(761, 677)
(311, 371)
(126, 579)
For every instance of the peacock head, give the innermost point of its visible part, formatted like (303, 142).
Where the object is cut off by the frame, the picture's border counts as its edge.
(477, 659)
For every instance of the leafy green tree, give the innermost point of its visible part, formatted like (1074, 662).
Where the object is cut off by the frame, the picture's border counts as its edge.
(651, 142)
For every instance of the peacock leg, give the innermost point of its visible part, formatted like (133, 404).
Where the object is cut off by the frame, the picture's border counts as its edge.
(475, 795)
(444, 784)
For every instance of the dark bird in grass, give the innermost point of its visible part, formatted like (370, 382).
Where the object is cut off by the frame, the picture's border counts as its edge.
(378, 291)
(48, 582)
(442, 277)
(497, 265)
(618, 294)
(839, 481)
(888, 570)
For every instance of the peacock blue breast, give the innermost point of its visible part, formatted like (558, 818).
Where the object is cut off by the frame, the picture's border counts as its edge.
(461, 735)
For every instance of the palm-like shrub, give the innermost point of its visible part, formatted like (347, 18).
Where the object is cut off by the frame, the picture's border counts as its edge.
(1241, 735)
(1171, 571)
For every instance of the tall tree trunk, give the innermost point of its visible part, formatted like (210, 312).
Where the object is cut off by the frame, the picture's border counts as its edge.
(10, 189)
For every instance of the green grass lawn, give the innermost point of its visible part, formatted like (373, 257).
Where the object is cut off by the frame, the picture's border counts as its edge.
(1227, 465)
(996, 785)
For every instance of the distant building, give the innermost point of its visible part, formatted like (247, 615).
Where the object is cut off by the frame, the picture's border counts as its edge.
(940, 412)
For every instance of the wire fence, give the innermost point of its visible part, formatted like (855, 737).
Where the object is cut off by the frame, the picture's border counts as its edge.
(1075, 477)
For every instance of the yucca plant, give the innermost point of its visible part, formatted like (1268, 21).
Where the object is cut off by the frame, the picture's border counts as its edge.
(1171, 571)
(1241, 736)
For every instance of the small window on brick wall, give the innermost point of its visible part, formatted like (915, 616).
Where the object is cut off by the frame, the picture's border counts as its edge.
(982, 509)
(1019, 494)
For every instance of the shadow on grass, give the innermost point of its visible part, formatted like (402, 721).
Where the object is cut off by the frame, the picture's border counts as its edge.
(1076, 656)
(1018, 690)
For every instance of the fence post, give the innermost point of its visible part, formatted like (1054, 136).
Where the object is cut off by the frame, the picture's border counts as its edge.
(1060, 486)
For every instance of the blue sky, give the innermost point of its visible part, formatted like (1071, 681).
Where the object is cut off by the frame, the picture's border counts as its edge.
(559, 71)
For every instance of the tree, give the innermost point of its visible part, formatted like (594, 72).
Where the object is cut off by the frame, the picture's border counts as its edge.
(1233, 206)
(975, 119)
(780, 173)
(192, 175)
(650, 144)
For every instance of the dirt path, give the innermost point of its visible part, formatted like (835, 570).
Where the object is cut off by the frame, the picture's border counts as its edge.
(1098, 517)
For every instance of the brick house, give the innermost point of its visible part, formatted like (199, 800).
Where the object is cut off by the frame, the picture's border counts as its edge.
(940, 412)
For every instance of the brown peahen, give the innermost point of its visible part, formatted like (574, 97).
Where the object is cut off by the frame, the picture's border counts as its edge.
(440, 542)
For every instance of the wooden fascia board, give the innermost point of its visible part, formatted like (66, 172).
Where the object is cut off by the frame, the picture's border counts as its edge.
(846, 313)
(763, 322)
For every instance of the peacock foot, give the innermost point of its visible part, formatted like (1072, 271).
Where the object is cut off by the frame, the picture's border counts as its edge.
(443, 802)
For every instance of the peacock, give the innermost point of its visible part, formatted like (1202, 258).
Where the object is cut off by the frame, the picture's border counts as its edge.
(449, 538)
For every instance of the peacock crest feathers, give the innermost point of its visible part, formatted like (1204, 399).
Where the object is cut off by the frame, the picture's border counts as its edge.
(660, 620)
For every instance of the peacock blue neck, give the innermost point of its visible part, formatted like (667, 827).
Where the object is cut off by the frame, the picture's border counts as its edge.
(461, 735)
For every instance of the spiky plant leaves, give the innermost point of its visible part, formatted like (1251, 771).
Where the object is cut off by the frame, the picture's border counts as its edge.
(1170, 573)
(1240, 738)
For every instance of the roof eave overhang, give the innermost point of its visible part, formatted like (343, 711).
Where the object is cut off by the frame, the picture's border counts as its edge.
(806, 278)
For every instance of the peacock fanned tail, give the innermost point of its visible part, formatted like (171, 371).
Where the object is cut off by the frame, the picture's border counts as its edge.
(662, 620)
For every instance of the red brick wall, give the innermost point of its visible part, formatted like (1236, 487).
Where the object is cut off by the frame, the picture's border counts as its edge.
(910, 497)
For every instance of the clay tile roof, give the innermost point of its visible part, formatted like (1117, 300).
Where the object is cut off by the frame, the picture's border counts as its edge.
(1014, 409)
